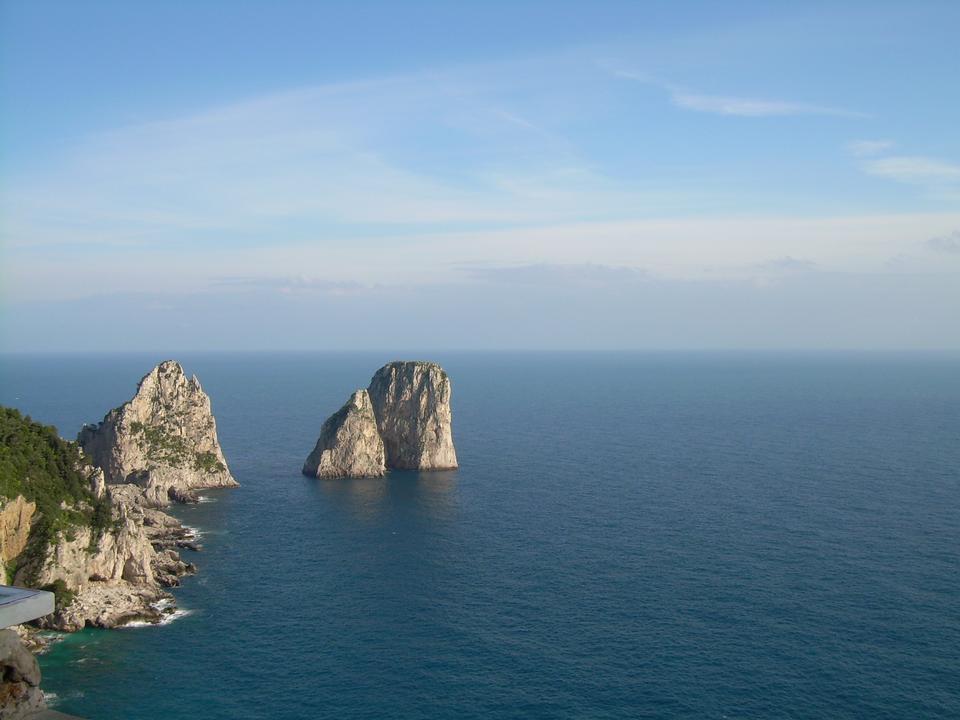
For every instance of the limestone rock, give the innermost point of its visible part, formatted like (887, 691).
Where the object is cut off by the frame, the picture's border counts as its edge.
(20, 694)
(117, 577)
(164, 439)
(98, 483)
(106, 605)
(411, 401)
(15, 517)
(349, 443)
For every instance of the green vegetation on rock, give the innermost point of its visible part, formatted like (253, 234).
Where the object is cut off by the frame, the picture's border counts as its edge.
(62, 595)
(207, 462)
(161, 447)
(37, 463)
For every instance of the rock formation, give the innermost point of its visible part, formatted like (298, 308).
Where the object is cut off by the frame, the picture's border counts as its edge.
(15, 519)
(117, 577)
(349, 444)
(164, 439)
(401, 421)
(101, 543)
(412, 403)
(20, 693)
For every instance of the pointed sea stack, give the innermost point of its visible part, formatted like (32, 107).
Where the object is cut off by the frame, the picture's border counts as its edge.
(164, 439)
(411, 400)
(349, 444)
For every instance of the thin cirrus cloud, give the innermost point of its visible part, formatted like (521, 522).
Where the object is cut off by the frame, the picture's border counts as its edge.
(751, 107)
(914, 169)
(431, 149)
(868, 148)
(728, 104)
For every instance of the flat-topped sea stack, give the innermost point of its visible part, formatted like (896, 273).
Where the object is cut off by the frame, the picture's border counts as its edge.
(401, 421)
(349, 444)
(412, 403)
(164, 439)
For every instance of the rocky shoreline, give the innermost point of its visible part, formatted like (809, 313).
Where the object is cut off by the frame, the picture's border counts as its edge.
(159, 448)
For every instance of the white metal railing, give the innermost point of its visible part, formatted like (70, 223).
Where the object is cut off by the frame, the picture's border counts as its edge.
(20, 605)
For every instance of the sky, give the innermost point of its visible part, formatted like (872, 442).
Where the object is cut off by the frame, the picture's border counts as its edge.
(479, 176)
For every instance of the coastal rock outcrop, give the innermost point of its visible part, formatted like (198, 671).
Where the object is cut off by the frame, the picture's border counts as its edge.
(401, 421)
(349, 443)
(111, 577)
(411, 400)
(164, 439)
(20, 693)
(87, 525)
(15, 520)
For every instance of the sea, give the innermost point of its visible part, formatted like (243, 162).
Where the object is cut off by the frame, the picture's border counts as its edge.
(629, 535)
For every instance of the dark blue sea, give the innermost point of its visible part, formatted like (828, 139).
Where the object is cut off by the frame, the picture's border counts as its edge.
(629, 536)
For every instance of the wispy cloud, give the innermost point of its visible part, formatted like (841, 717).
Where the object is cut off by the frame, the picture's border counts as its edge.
(293, 284)
(727, 104)
(580, 275)
(867, 148)
(788, 263)
(914, 169)
(945, 243)
(427, 150)
(751, 107)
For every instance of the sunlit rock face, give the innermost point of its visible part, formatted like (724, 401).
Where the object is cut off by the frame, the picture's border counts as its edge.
(349, 443)
(164, 439)
(402, 421)
(411, 401)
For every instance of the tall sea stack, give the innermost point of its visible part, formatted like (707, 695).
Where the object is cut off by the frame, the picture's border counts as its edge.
(402, 421)
(163, 439)
(412, 403)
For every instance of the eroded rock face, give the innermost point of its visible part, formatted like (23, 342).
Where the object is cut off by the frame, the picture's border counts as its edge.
(20, 693)
(124, 553)
(411, 401)
(119, 576)
(110, 605)
(164, 439)
(15, 519)
(162, 445)
(349, 443)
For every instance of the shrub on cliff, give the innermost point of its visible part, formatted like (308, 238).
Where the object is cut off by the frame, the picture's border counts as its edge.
(37, 463)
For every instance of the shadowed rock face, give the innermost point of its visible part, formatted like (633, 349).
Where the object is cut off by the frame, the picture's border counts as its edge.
(349, 444)
(411, 401)
(164, 439)
(20, 694)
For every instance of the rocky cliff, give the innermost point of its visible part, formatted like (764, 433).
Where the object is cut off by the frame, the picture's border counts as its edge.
(15, 521)
(115, 578)
(401, 421)
(20, 693)
(164, 439)
(349, 443)
(412, 403)
(83, 520)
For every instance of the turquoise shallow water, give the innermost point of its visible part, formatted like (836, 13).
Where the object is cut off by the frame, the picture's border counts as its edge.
(698, 536)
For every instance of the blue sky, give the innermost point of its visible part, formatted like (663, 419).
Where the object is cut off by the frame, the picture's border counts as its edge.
(479, 175)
